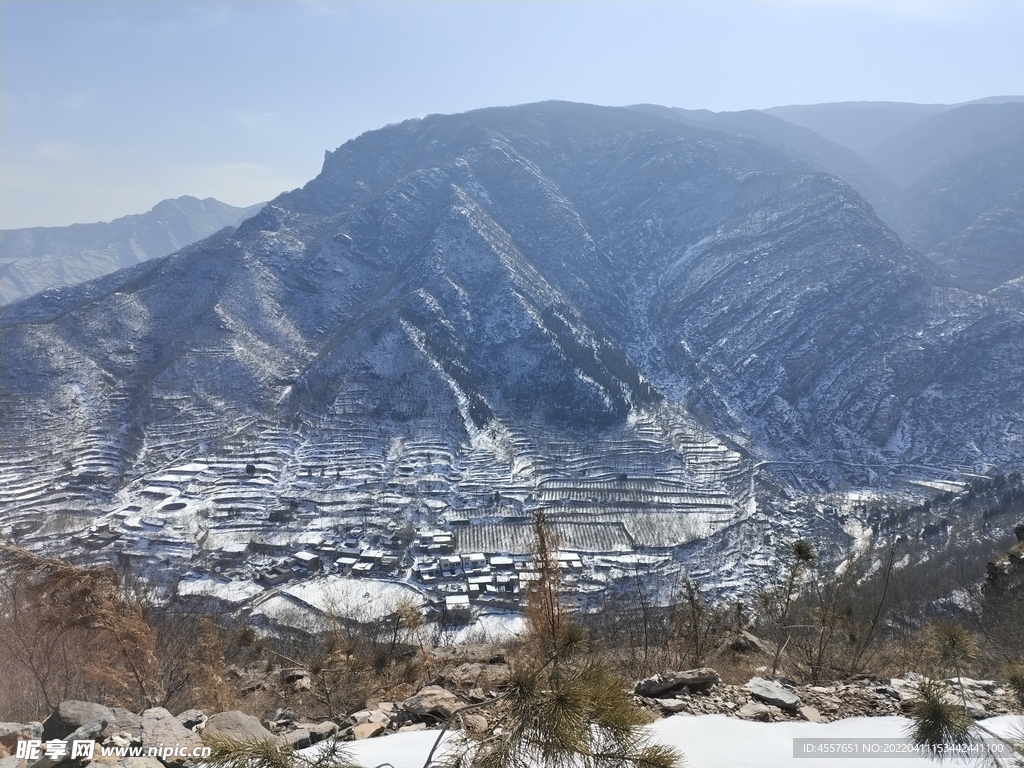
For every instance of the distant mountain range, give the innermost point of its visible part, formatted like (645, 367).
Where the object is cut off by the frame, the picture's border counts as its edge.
(37, 258)
(912, 162)
(948, 179)
(570, 263)
(863, 125)
(625, 315)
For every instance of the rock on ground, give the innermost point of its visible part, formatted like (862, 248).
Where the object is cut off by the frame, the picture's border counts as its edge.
(694, 679)
(770, 692)
(190, 718)
(69, 716)
(755, 711)
(434, 701)
(161, 728)
(367, 730)
(237, 726)
(12, 733)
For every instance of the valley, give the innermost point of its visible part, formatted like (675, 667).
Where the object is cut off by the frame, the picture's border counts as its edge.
(681, 342)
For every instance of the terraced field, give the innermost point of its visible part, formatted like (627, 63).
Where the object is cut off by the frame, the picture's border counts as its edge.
(655, 483)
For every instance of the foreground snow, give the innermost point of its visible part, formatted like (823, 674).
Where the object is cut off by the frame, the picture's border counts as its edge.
(712, 741)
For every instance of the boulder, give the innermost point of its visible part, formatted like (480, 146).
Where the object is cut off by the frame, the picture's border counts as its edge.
(367, 730)
(905, 689)
(237, 726)
(191, 718)
(772, 693)
(433, 701)
(754, 711)
(974, 693)
(694, 679)
(474, 675)
(12, 733)
(69, 716)
(119, 739)
(975, 709)
(474, 723)
(125, 721)
(464, 675)
(810, 714)
(320, 731)
(283, 717)
(400, 716)
(161, 729)
(744, 642)
(978, 687)
(671, 705)
(298, 739)
(888, 690)
(88, 732)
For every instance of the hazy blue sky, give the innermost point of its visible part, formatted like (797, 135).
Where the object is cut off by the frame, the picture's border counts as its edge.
(108, 107)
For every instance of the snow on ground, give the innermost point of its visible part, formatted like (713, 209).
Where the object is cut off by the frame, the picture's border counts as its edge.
(332, 594)
(234, 592)
(715, 741)
(304, 604)
(491, 628)
(401, 750)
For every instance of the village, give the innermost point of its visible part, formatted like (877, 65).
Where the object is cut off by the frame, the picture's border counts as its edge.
(250, 569)
(451, 587)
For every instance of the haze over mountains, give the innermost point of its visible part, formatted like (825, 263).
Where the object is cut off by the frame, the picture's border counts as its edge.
(946, 178)
(37, 258)
(614, 312)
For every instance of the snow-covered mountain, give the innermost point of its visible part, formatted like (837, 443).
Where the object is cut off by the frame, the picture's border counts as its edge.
(614, 314)
(37, 258)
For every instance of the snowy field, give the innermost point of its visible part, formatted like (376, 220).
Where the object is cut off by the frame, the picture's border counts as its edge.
(307, 604)
(715, 741)
(491, 628)
(232, 592)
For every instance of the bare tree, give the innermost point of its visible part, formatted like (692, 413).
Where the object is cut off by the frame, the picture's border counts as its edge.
(74, 630)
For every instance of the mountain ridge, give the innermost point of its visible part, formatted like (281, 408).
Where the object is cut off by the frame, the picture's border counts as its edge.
(36, 258)
(613, 315)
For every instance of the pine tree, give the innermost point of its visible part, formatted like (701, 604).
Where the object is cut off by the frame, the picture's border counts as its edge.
(938, 719)
(226, 752)
(562, 708)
